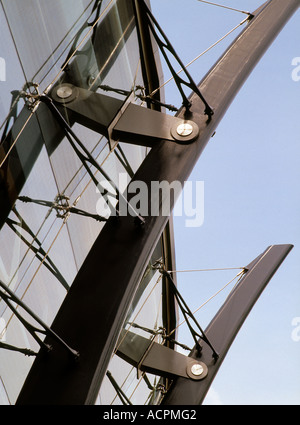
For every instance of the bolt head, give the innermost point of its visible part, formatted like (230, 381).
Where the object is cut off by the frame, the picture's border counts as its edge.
(64, 92)
(184, 129)
(91, 80)
(197, 369)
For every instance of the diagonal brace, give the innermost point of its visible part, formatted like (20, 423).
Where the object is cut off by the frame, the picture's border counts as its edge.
(9, 298)
(151, 357)
(165, 46)
(119, 121)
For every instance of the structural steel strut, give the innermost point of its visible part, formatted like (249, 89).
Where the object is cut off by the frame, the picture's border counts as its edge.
(224, 326)
(149, 356)
(107, 281)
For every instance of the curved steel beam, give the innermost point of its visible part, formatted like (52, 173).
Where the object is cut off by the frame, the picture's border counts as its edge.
(96, 305)
(225, 325)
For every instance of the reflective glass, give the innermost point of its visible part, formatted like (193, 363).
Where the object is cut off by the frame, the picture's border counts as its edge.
(92, 45)
(144, 319)
(3, 396)
(11, 74)
(42, 29)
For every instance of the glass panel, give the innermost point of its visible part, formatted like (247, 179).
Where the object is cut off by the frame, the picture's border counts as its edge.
(15, 366)
(3, 395)
(92, 45)
(41, 31)
(50, 38)
(144, 319)
(10, 71)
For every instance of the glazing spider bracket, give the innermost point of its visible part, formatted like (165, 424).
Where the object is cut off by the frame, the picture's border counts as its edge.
(62, 207)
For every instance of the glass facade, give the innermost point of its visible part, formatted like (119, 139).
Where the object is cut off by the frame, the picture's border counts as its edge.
(121, 376)
(94, 45)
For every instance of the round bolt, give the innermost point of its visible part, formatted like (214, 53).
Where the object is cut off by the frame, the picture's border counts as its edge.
(197, 369)
(184, 129)
(91, 80)
(64, 92)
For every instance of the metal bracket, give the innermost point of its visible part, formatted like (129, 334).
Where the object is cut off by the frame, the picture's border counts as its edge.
(142, 126)
(149, 356)
(119, 121)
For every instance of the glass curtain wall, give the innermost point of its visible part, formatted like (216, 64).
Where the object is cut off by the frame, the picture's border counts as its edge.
(93, 45)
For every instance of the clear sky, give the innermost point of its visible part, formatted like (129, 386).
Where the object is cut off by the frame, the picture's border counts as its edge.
(251, 175)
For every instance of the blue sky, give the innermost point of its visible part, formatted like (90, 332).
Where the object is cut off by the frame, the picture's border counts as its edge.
(251, 175)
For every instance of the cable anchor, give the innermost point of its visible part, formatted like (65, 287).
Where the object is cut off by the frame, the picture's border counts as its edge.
(30, 92)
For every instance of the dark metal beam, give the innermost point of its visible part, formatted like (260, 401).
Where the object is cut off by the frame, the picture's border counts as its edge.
(226, 324)
(152, 357)
(95, 307)
(129, 123)
(149, 58)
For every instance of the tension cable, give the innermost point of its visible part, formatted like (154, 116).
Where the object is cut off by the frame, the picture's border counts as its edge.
(199, 56)
(206, 270)
(86, 158)
(62, 207)
(226, 7)
(240, 275)
(188, 315)
(10, 299)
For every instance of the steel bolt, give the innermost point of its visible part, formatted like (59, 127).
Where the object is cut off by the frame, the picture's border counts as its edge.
(184, 129)
(91, 80)
(197, 369)
(64, 92)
